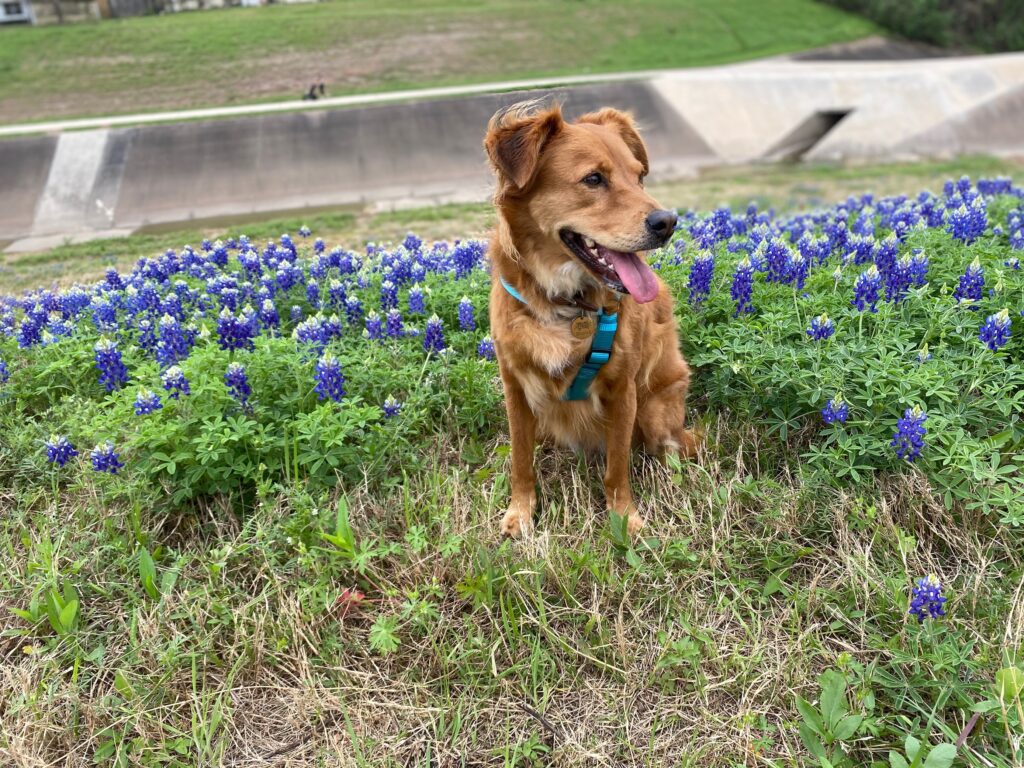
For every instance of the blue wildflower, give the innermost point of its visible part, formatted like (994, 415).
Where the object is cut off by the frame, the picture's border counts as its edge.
(295, 313)
(146, 402)
(330, 382)
(175, 383)
(996, 330)
(467, 315)
(172, 346)
(701, 272)
(236, 332)
(59, 450)
(105, 458)
(393, 325)
(821, 328)
(416, 302)
(5, 373)
(305, 231)
(374, 327)
(353, 310)
(927, 600)
(113, 373)
(910, 432)
(742, 287)
(388, 295)
(485, 348)
(433, 336)
(237, 382)
(391, 407)
(835, 410)
(923, 355)
(866, 288)
(972, 281)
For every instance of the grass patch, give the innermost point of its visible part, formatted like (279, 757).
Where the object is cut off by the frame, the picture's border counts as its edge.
(297, 580)
(237, 55)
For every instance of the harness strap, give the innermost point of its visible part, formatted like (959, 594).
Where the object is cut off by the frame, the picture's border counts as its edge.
(600, 348)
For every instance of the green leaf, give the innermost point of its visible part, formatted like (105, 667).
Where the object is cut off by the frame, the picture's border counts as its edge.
(147, 573)
(382, 635)
(1009, 683)
(122, 686)
(68, 614)
(896, 760)
(941, 757)
(847, 727)
(833, 697)
(810, 715)
(911, 746)
(811, 740)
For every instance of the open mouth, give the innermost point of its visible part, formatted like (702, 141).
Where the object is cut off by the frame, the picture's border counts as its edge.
(619, 270)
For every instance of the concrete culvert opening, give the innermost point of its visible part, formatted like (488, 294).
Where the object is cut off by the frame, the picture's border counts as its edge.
(794, 145)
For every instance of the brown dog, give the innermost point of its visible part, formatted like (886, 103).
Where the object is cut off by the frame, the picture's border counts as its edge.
(573, 221)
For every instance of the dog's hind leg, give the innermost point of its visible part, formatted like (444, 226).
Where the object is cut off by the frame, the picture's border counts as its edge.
(661, 415)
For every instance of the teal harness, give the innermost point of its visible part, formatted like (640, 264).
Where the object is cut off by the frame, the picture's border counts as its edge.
(600, 348)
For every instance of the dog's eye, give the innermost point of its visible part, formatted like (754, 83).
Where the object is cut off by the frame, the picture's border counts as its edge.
(593, 179)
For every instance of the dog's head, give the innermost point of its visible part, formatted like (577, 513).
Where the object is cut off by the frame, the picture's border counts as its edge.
(578, 188)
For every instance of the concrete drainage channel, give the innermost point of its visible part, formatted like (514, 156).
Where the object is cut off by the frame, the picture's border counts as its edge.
(426, 148)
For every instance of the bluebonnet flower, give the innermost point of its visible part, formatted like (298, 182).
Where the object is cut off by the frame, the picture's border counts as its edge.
(237, 382)
(172, 346)
(919, 268)
(923, 355)
(393, 325)
(821, 328)
(485, 348)
(353, 310)
(5, 373)
(313, 293)
(391, 407)
(865, 290)
(59, 450)
(701, 273)
(899, 280)
(112, 280)
(330, 382)
(268, 315)
(835, 410)
(467, 315)
(433, 336)
(104, 314)
(146, 402)
(113, 373)
(742, 287)
(305, 231)
(412, 243)
(967, 222)
(972, 281)
(374, 327)
(996, 330)
(105, 458)
(1012, 263)
(388, 295)
(318, 246)
(416, 303)
(927, 600)
(175, 383)
(295, 313)
(910, 432)
(798, 268)
(236, 332)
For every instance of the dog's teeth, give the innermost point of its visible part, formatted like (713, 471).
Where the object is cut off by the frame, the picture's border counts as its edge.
(588, 242)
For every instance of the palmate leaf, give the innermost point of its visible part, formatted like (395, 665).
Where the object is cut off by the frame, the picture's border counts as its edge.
(382, 635)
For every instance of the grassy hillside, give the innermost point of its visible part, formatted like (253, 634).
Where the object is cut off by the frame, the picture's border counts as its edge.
(240, 55)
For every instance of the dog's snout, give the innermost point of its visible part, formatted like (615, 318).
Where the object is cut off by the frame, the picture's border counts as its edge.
(661, 223)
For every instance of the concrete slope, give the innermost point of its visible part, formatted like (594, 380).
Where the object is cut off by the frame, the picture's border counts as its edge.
(426, 150)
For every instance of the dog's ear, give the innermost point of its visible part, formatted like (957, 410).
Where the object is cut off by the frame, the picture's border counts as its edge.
(515, 138)
(623, 123)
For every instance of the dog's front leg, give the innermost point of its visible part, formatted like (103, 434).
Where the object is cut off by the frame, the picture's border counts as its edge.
(522, 426)
(620, 409)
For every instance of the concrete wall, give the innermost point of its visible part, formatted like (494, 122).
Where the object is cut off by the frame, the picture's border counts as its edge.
(428, 150)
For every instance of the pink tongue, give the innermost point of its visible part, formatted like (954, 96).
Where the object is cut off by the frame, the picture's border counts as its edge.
(634, 274)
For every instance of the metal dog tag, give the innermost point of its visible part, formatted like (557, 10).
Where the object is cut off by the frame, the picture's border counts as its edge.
(583, 327)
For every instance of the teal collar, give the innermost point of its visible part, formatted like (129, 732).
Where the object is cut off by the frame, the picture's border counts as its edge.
(600, 348)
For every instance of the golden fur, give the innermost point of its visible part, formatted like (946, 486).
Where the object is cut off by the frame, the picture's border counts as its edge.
(639, 395)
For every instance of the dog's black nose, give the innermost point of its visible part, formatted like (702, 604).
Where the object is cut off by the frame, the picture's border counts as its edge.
(661, 223)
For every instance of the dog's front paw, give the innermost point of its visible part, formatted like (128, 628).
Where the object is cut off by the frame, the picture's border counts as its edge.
(634, 523)
(518, 520)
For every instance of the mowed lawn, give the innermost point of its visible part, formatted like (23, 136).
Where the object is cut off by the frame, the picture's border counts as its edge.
(240, 55)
